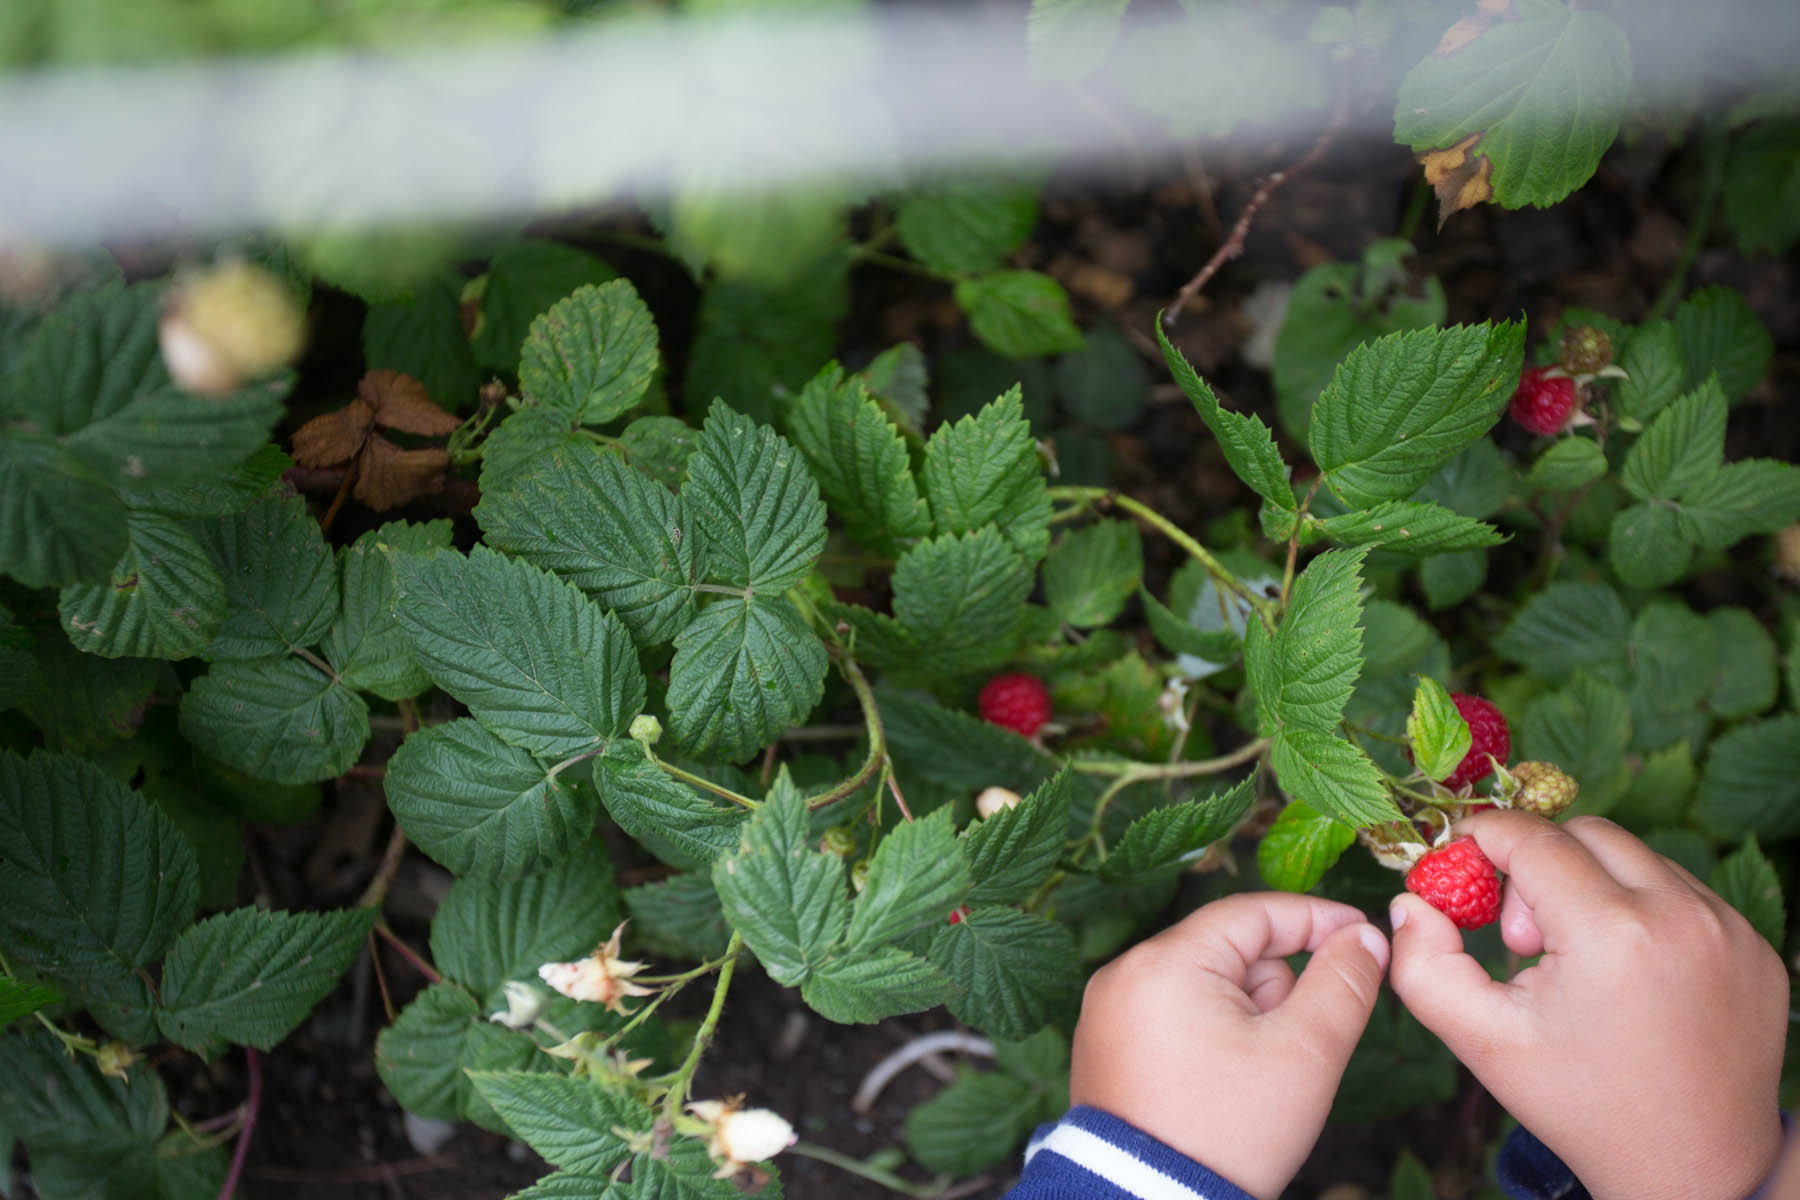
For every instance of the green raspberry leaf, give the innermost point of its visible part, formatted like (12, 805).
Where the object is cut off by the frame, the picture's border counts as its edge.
(423, 337)
(1092, 572)
(96, 882)
(611, 530)
(367, 646)
(62, 1108)
(1747, 683)
(1567, 464)
(1762, 188)
(1682, 447)
(918, 875)
(1440, 737)
(1757, 495)
(281, 582)
(1649, 547)
(1565, 627)
(488, 931)
(1654, 370)
(753, 497)
(592, 354)
(1331, 775)
(1300, 847)
(60, 522)
(1411, 527)
(677, 823)
(250, 976)
(1751, 781)
(1014, 851)
(496, 633)
(569, 1120)
(975, 1123)
(1399, 408)
(163, 599)
(1165, 840)
(1014, 970)
(1541, 96)
(744, 671)
(863, 986)
(278, 719)
(1303, 674)
(1747, 881)
(860, 461)
(984, 470)
(966, 227)
(1722, 335)
(1248, 445)
(1020, 314)
(481, 807)
(786, 899)
(524, 278)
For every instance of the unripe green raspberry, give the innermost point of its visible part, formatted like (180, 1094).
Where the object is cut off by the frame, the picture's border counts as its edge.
(839, 840)
(646, 729)
(1544, 788)
(859, 875)
(1585, 350)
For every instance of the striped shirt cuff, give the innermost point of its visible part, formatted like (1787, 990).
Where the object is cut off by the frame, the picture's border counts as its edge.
(1094, 1155)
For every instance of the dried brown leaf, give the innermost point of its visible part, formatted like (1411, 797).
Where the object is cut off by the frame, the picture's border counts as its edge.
(401, 402)
(387, 476)
(1461, 180)
(334, 437)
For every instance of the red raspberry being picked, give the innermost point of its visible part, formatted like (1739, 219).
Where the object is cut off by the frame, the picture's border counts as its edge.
(1489, 735)
(1460, 882)
(1019, 702)
(1543, 403)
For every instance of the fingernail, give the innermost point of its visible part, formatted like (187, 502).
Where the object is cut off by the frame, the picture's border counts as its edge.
(1374, 943)
(1397, 915)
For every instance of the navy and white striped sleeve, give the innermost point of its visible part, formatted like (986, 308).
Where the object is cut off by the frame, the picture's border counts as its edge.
(1093, 1155)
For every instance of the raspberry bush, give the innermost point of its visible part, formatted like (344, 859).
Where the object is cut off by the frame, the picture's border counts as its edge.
(690, 642)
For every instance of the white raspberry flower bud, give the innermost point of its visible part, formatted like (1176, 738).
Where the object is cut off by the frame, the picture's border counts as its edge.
(223, 327)
(741, 1137)
(995, 799)
(600, 978)
(523, 1004)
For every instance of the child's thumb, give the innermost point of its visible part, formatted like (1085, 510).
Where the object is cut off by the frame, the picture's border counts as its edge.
(1448, 991)
(1337, 991)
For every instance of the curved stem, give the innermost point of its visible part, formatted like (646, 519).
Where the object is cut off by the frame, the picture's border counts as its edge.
(699, 781)
(252, 1103)
(871, 723)
(678, 1086)
(1137, 772)
(1265, 607)
(873, 1174)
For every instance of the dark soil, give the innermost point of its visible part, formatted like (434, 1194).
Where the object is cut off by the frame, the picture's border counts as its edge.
(329, 1131)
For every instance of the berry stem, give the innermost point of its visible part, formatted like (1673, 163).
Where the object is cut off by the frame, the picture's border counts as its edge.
(874, 1174)
(1105, 497)
(871, 723)
(684, 1075)
(1138, 772)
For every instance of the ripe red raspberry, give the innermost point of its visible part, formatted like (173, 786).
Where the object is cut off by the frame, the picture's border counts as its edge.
(1019, 702)
(1460, 882)
(1488, 734)
(957, 914)
(1543, 403)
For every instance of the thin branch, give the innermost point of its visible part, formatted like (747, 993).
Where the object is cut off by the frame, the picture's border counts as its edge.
(871, 725)
(1233, 245)
(376, 892)
(678, 1087)
(407, 952)
(1137, 772)
(252, 1103)
(883, 1072)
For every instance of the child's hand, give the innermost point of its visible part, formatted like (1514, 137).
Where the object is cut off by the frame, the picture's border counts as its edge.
(1645, 1047)
(1202, 1037)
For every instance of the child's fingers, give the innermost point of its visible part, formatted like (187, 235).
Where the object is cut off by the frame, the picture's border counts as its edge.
(1625, 858)
(1337, 991)
(1518, 928)
(1227, 936)
(1448, 991)
(1268, 982)
(1556, 875)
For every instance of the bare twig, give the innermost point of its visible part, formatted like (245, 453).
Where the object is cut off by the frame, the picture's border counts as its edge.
(407, 952)
(883, 1072)
(374, 895)
(1233, 245)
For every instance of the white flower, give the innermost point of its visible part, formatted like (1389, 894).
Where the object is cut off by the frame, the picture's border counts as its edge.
(995, 799)
(742, 1136)
(600, 978)
(523, 1004)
